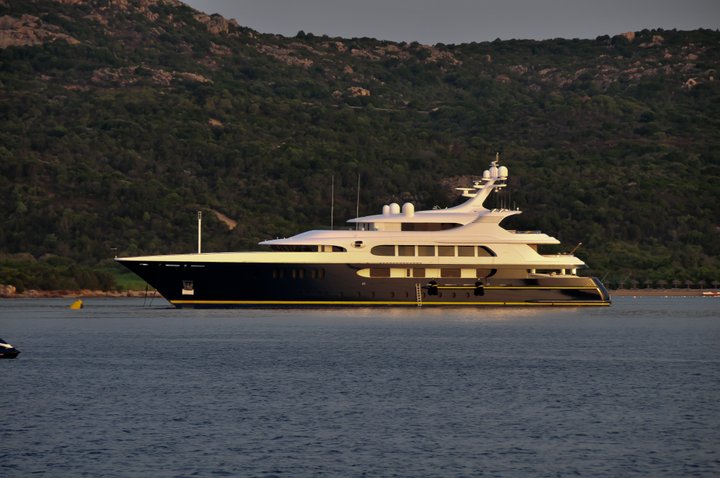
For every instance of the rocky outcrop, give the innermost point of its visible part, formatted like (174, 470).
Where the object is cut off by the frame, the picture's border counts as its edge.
(216, 24)
(437, 55)
(29, 30)
(657, 40)
(286, 55)
(358, 91)
(229, 223)
(143, 7)
(429, 54)
(132, 75)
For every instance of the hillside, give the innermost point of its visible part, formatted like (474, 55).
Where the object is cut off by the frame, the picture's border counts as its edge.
(121, 119)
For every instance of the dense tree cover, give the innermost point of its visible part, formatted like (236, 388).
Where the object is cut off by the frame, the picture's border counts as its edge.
(24, 271)
(113, 136)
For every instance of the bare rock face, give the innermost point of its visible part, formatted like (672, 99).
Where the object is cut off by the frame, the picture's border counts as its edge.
(215, 24)
(358, 91)
(128, 76)
(286, 55)
(139, 6)
(71, 2)
(29, 30)
(7, 290)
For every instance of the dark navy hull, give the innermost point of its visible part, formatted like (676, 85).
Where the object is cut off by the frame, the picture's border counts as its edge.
(207, 284)
(7, 351)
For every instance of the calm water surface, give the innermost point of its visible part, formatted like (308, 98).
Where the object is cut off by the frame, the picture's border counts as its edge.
(119, 389)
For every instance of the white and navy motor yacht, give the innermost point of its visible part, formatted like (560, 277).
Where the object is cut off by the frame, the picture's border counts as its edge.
(458, 256)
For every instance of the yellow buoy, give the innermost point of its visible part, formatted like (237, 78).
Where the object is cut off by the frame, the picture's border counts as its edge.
(78, 304)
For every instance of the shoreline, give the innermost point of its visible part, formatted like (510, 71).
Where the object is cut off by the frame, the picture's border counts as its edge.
(78, 294)
(86, 293)
(660, 292)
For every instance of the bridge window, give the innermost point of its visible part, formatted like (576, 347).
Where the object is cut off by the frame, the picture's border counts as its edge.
(429, 251)
(306, 248)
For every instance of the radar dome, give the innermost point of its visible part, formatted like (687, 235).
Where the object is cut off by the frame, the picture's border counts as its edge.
(408, 209)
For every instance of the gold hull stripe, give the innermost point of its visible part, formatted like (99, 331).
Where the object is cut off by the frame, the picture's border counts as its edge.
(519, 287)
(375, 302)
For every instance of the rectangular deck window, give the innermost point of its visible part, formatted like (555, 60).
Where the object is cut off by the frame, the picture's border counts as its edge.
(426, 251)
(377, 272)
(449, 272)
(466, 251)
(446, 251)
(406, 250)
(383, 250)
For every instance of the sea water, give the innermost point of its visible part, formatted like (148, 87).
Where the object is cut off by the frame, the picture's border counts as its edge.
(123, 388)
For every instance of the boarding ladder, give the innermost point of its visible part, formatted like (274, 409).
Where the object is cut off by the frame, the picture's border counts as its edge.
(418, 294)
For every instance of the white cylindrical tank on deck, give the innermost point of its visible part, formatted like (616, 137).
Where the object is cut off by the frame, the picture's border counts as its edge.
(394, 208)
(486, 174)
(408, 209)
(493, 171)
(503, 172)
(386, 210)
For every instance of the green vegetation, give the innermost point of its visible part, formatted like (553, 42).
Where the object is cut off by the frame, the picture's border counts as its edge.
(53, 273)
(122, 122)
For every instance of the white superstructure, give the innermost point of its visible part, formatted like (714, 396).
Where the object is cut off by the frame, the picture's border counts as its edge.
(424, 237)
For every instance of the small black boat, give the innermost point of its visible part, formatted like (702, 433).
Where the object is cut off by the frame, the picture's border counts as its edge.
(7, 350)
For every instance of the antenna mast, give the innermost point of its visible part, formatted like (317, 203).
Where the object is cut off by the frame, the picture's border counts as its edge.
(332, 202)
(357, 203)
(199, 232)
